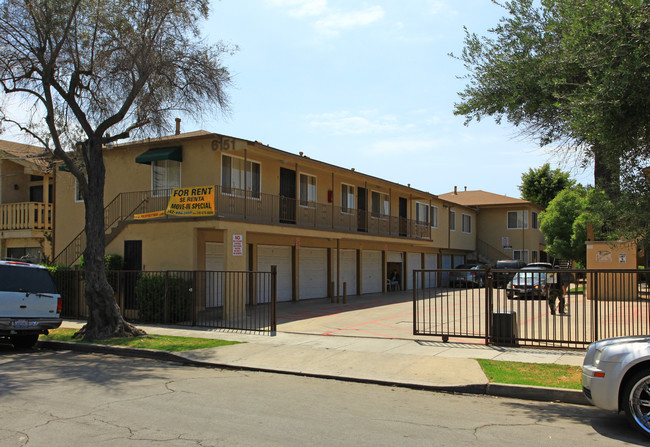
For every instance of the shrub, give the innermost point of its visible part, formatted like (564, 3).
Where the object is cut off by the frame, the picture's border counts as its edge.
(155, 306)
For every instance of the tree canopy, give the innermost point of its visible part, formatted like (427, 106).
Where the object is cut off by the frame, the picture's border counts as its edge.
(92, 72)
(541, 185)
(568, 72)
(565, 220)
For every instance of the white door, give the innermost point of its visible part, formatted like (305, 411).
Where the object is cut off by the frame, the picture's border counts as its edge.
(268, 255)
(371, 271)
(430, 263)
(313, 273)
(347, 271)
(414, 263)
(214, 276)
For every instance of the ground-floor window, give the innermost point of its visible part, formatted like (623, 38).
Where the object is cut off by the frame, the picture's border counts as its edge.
(31, 254)
(521, 255)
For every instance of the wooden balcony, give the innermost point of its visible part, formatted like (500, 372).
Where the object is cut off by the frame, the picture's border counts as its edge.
(26, 216)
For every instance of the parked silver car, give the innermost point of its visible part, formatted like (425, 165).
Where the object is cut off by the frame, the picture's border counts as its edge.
(616, 376)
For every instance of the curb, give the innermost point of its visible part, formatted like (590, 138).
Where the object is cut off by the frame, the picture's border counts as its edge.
(534, 393)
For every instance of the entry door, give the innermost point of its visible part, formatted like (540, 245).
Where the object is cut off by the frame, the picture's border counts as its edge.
(403, 216)
(362, 213)
(287, 196)
(214, 275)
(132, 265)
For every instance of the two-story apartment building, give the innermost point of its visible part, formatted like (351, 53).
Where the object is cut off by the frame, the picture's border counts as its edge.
(322, 225)
(507, 227)
(26, 214)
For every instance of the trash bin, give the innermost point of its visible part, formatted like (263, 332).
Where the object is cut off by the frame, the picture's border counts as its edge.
(504, 328)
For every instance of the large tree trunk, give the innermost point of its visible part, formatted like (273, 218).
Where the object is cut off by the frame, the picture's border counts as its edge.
(607, 173)
(105, 319)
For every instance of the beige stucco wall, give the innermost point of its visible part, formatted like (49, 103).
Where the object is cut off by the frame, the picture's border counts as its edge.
(612, 256)
(493, 227)
(175, 243)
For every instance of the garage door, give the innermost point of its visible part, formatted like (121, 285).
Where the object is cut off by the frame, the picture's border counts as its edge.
(347, 272)
(371, 271)
(268, 255)
(414, 263)
(313, 273)
(214, 266)
(430, 263)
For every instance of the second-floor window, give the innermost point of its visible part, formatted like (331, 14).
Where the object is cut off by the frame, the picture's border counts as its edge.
(467, 223)
(434, 216)
(452, 220)
(234, 178)
(533, 218)
(307, 190)
(517, 220)
(421, 213)
(347, 198)
(379, 204)
(165, 175)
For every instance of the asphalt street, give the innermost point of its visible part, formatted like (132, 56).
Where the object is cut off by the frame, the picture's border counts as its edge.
(64, 398)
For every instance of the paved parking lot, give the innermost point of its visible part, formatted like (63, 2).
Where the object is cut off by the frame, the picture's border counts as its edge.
(380, 315)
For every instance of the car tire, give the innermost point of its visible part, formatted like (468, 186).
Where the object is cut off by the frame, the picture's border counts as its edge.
(635, 401)
(24, 341)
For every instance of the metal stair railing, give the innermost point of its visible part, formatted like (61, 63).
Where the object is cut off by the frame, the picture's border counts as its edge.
(123, 206)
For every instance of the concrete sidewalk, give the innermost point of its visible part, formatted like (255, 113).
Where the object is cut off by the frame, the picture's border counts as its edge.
(448, 367)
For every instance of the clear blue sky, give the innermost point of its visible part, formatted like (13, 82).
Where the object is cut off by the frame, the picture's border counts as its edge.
(367, 85)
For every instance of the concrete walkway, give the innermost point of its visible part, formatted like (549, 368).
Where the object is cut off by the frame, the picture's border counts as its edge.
(448, 367)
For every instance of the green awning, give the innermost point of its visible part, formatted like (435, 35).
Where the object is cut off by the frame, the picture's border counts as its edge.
(165, 153)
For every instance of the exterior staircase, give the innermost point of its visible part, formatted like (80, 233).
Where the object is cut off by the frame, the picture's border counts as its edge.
(116, 214)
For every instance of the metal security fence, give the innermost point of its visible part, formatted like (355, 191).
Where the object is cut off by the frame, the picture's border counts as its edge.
(527, 308)
(231, 300)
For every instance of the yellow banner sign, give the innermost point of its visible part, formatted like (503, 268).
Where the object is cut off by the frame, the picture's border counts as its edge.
(151, 215)
(193, 201)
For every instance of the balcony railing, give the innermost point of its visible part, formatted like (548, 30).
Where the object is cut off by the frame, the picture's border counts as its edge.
(237, 204)
(26, 216)
(262, 208)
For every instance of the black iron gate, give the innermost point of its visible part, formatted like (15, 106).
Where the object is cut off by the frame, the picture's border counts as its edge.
(226, 299)
(526, 308)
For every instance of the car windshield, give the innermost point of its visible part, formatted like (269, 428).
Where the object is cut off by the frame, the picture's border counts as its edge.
(26, 279)
(529, 277)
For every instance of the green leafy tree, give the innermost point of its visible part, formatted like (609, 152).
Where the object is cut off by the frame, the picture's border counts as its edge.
(568, 72)
(541, 185)
(93, 72)
(565, 221)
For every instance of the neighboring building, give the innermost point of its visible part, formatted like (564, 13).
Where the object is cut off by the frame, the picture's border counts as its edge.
(26, 213)
(507, 228)
(321, 224)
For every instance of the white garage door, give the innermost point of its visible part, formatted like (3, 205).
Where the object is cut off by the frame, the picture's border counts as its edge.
(414, 263)
(313, 273)
(347, 271)
(214, 265)
(371, 271)
(268, 255)
(430, 263)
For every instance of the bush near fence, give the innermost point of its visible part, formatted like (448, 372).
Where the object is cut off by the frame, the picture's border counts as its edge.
(163, 299)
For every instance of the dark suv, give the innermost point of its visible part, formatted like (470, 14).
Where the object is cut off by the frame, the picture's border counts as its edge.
(500, 273)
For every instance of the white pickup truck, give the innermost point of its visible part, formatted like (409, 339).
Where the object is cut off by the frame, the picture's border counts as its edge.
(29, 303)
